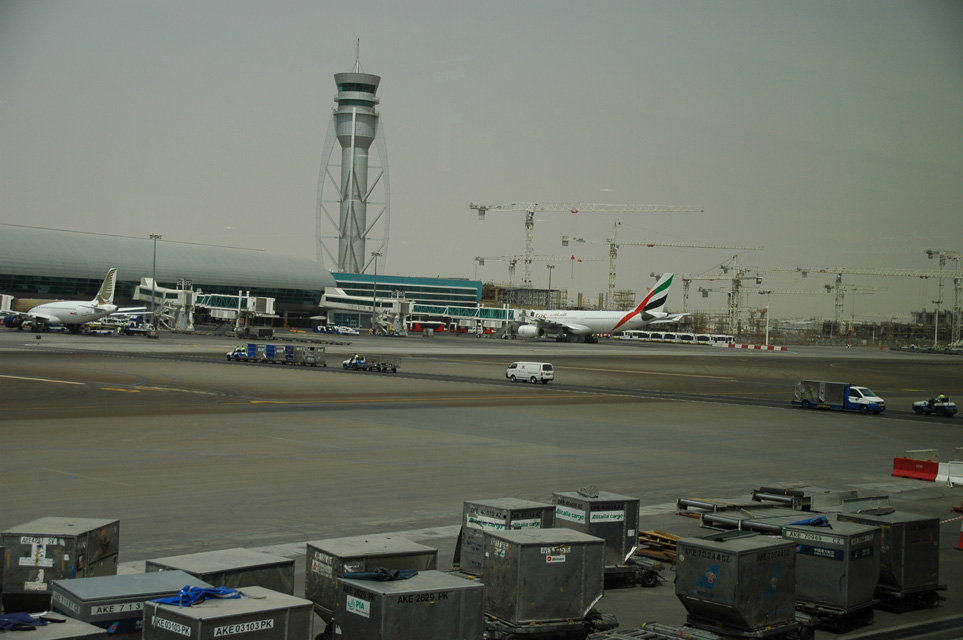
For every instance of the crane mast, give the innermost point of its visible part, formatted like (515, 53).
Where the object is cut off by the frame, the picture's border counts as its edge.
(531, 207)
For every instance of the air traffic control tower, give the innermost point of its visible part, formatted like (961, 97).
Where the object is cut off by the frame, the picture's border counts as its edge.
(353, 209)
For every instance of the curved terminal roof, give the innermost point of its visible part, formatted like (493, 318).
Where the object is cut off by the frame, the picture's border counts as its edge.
(72, 254)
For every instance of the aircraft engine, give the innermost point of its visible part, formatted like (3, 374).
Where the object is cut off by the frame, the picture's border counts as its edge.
(12, 322)
(530, 331)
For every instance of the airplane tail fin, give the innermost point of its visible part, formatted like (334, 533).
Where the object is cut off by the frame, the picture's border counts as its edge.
(655, 300)
(106, 293)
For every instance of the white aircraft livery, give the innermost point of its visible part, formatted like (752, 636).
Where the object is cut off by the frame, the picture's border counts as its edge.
(567, 325)
(70, 313)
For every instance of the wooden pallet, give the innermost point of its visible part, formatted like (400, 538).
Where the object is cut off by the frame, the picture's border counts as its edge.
(658, 545)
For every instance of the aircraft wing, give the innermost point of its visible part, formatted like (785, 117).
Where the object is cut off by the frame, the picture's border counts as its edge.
(675, 317)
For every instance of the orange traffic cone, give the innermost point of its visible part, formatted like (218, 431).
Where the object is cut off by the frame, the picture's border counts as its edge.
(961, 536)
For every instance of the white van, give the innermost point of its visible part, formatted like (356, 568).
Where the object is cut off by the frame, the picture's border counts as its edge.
(531, 371)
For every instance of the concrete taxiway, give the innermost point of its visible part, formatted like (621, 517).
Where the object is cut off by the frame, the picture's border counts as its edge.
(194, 453)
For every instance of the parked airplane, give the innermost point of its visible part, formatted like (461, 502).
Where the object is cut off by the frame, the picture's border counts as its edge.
(567, 325)
(70, 313)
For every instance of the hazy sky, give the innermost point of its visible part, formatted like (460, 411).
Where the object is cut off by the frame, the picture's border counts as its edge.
(830, 132)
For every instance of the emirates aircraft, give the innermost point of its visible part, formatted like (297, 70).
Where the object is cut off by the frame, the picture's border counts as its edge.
(568, 325)
(70, 313)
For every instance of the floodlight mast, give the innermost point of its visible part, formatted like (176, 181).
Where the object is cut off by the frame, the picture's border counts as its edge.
(531, 207)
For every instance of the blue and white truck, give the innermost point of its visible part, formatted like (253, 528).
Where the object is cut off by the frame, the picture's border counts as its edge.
(842, 396)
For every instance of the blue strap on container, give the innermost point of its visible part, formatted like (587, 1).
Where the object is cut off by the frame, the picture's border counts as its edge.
(190, 595)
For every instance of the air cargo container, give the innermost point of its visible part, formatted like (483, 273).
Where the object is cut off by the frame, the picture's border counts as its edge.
(498, 514)
(47, 549)
(432, 604)
(233, 568)
(609, 516)
(259, 614)
(541, 575)
(837, 567)
(909, 555)
(328, 560)
(741, 583)
(116, 603)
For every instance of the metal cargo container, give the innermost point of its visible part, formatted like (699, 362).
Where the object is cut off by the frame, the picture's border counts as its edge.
(259, 614)
(605, 515)
(432, 604)
(328, 560)
(233, 568)
(498, 514)
(52, 548)
(540, 575)
(837, 567)
(910, 548)
(68, 629)
(745, 582)
(116, 603)
(821, 392)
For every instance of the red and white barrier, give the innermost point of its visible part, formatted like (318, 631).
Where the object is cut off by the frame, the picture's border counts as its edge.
(950, 473)
(917, 469)
(756, 347)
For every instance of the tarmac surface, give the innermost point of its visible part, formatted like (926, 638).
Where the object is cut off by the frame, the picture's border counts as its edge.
(194, 453)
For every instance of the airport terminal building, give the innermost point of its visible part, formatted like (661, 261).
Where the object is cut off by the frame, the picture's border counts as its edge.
(57, 264)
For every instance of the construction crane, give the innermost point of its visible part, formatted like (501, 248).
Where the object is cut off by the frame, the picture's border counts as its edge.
(614, 245)
(531, 207)
(513, 261)
(840, 290)
(943, 256)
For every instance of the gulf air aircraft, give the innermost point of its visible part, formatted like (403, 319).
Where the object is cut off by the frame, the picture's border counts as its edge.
(70, 313)
(568, 325)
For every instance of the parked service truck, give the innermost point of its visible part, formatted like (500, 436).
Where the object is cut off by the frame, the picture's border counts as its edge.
(842, 396)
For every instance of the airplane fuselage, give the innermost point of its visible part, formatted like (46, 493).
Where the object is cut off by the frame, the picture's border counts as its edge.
(71, 313)
(588, 322)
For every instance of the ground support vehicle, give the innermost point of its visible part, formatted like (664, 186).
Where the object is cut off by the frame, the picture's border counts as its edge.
(305, 355)
(931, 406)
(841, 396)
(381, 364)
(530, 372)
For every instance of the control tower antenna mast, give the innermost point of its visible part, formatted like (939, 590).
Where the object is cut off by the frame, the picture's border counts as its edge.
(353, 207)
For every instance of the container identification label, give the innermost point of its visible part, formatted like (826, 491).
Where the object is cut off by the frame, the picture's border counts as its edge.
(60, 599)
(568, 513)
(117, 607)
(243, 627)
(607, 516)
(358, 606)
(484, 522)
(814, 537)
(43, 542)
(321, 567)
(170, 625)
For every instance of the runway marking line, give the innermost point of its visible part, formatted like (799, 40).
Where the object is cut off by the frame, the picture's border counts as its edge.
(40, 379)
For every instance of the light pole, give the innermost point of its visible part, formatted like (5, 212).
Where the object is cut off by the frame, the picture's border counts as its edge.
(551, 267)
(767, 293)
(374, 289)
(939, 298)
(153, 284)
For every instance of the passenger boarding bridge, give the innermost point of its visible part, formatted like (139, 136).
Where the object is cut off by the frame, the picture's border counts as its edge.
(393, 314)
